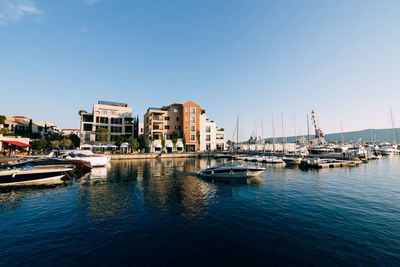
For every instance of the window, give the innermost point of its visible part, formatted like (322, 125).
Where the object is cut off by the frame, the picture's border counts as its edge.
(101, 120)
(175, 110)
(208, 137)
(87, 137)
(177, 127)
(167, 118)
(88, 118)
(192, 111)
(186, 127)
(116, 121)
(192, 119)
(192, 137)
(102, 126)
(177, 119)
(167, 137)
(114, 137)
(208, 129)
(87, 127)
(186, 118)
(186, 110)
(166, 127)
(128, 129)
(193, 129)
(157, 127)
(113, 113)
(127, 114)
(116, 129)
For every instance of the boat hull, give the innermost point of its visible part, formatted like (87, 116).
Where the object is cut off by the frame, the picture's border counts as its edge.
(18, 177)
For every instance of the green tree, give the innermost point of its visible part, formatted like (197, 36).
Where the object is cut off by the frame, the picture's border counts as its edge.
(76, 141)
(102, 134)
(2, 119)
(81, 111)
(142, 142)
(40, 144)
(30, 127)
(120, 139)
(163, 144)
(133, 143)
(3, 131)
(198, 136)
(174, 138)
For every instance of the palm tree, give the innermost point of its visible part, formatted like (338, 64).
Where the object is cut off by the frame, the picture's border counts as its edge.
(55, 144)
(66, 143)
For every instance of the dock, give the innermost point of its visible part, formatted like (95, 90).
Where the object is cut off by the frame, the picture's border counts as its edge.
(317, 163)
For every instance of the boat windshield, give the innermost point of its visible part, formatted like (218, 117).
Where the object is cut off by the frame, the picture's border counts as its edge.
(231, 164)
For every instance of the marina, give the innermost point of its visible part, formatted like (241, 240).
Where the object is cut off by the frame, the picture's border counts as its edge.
(283, 216)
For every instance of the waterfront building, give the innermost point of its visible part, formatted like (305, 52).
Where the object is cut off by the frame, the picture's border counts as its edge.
(70, 131)
(187, 121)
(211, 138)
(7, 142)
(21, 125)
(115, 117)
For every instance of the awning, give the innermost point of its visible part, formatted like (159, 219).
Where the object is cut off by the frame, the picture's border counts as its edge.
(16, 143)
(157, 145)
(169, 145)
(179, 145)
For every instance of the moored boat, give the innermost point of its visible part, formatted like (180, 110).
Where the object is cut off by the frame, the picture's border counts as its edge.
(32, 175)
(233, 170)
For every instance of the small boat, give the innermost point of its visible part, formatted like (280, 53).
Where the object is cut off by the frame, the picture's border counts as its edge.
(233, 170)
(292, 161)
(388, 150)
(273, 160)
(34, 175)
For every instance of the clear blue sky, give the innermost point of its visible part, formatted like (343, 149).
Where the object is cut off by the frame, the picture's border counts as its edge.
(252, 58)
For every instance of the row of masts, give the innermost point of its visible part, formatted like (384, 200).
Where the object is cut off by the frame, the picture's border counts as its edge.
(318, 138)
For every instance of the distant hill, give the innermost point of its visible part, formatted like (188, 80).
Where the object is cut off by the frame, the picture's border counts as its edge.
(355, 136)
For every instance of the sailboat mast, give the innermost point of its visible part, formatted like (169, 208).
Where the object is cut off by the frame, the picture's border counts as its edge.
(237, 135)
(273, 134)
(283, 135)
(391, 118)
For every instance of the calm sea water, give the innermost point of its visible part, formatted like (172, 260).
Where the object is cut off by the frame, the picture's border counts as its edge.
(159, 213)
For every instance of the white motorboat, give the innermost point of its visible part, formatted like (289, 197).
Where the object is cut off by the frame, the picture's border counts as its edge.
(34, 175)
(94, 160)
(232, 170)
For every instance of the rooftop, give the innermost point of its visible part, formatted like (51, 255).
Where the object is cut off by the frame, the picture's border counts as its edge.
(109, 103)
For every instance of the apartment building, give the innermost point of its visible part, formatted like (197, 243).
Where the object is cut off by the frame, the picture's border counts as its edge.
(161, 123)
(189, 121)
(115, 117)
(211, 138)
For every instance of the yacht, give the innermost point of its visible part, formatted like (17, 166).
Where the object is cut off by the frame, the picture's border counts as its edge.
(388, 150)
(233, 170)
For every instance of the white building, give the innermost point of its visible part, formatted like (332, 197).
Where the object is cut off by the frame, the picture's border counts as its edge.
(211, 139)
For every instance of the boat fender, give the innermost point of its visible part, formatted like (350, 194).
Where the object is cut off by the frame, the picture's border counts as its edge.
(212, 172)
(231, 173)
(13, 175)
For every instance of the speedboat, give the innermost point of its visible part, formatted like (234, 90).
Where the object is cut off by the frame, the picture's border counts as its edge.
(32, 175)
(233, 170)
